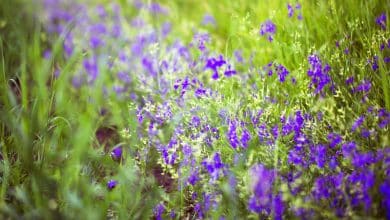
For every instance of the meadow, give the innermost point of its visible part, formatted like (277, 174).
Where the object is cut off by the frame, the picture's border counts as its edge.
(189, 109)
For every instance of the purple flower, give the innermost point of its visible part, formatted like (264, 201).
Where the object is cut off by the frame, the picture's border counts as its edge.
(158, 210)
(357, 123)
(278, 207)
(213, 64)
(208, 19)
(361, 183)
(47, 54)
(268, 29)
(68, 45)
(229, 71)
(101, 11)
(238, 56)
(348, 149)
(381, 21)
(374, 63)
(124, 77)
(116, 153)
(172, 214)
(320, 156)
(349, 80)
(292, 9)
(157, 8)
(201, 39)
(232, 134)
(194, 177)
(214, 166)
(385, 194)
(245, 138)
(195, 121)
(282, 72)
(334, 139)
(91, 67)
(326, 187)
(360, 160)
(332, 163)
(111, 184)
(262, 186)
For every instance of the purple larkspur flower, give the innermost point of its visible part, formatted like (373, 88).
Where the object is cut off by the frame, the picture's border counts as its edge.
(111, 184)
(229, 71)
(195, 121)
(47, 54)
(208, 19)
(328, 185)
(116, 153)
(201, 39)
(213, 64)
(245, 138)
(194, 177)
(68, 45)
(91, 68)
(268, 29)
(262, 186)
(238, 56)
(348, 149)
(158, 211)
(232, 134)
(349, 80)
(334, 139)
(124, 77)
(291, 10)
(374, 63)
(320, 155)
(282, 72)
(358, 122)
(172, 214)
(333, 163)
(157, 8)
(384, 189)
(381, 21)
(101, 11)
(361, 182)
(214, 166)
(360, 160)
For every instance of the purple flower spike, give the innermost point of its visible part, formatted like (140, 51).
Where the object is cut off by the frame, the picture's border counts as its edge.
(116, 153)
(111, 184)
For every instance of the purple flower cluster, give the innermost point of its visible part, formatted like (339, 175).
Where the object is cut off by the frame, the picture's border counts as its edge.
(336, 170)
(291, 10)
(279, 69)
(319, 75)
(234, 139)
(216, 63)
(214, 166)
